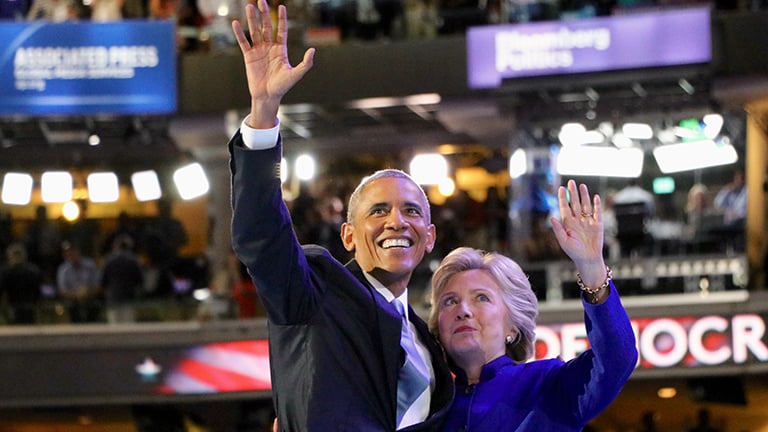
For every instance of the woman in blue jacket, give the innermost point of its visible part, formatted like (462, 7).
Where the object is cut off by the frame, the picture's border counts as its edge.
(484, 312)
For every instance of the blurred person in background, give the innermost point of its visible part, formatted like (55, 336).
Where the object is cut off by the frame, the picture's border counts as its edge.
(53, 10)
(122, 279)
(20, 283)
(78, 283)
(42, 239)
(732, 200)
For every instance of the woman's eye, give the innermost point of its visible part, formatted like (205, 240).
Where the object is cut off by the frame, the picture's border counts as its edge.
(483, 298)
(449, 302)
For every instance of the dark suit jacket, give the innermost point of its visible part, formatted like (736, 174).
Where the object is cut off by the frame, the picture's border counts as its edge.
(334, 341)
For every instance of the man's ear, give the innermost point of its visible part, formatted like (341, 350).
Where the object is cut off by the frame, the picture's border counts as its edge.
(431, 236)
(346, 237)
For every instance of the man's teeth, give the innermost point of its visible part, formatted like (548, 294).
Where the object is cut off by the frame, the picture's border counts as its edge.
(395, 243)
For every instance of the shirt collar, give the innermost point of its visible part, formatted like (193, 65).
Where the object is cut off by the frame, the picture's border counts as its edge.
(388, 296)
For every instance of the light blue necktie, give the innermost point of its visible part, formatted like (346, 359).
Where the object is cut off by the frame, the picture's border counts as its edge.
(413, 379)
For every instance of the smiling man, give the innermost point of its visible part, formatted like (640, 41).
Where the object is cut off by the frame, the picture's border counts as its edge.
(334, 331)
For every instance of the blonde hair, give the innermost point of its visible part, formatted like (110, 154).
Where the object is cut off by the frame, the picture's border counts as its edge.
(515, 289)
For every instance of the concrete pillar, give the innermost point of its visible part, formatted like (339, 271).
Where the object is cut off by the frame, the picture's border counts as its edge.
(757, 180)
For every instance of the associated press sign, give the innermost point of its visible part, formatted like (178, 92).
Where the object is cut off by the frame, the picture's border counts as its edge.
(126, 67)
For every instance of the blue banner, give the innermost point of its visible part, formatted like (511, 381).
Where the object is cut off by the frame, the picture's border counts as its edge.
(126, 67)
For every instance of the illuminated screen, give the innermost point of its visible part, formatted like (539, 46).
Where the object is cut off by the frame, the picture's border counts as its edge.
(663, 185)
(622, 42)
(104, 374)
(74, 68)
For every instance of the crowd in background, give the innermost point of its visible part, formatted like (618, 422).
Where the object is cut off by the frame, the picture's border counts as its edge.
(131, 270)
(88, 271)
(204, 24)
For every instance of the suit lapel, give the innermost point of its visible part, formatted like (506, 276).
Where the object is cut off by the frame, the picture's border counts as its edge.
(388, 321)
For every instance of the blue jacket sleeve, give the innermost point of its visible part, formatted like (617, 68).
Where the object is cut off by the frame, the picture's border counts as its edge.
(593, 379)
(263, 236)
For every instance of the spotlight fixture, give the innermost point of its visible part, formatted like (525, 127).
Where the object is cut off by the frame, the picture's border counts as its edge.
(56, 186)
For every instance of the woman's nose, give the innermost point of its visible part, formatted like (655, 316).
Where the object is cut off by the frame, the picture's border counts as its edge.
(462, 311)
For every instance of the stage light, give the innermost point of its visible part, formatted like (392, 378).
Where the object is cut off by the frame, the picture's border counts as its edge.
(637, 130)
(429, 168)
(17, 188)
(713, 124)
(572, 134)
(305, 167)
(283, 170)
(518, 164)
(191, 181)
(56, 186)
(600, 161)
(70, 211)
(693, 155)
(446, 187)
(103, 187)
(146, 185)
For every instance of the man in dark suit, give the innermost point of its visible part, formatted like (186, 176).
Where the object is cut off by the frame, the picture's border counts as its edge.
(334, 343)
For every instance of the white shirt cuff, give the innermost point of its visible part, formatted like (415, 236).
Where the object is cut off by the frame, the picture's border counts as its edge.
(259, 139)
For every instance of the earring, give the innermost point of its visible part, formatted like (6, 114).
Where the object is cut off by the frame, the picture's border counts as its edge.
(509, 339)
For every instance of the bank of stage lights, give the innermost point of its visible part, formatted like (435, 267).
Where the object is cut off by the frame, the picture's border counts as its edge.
(690, 145)
(103, 187)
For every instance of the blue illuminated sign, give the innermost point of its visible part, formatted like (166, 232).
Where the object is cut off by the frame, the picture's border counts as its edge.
(76, 68)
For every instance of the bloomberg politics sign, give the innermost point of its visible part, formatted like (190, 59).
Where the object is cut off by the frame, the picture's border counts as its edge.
(642, 40)
(126, 67)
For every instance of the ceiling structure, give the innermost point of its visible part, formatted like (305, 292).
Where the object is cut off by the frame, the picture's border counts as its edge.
(481, 125)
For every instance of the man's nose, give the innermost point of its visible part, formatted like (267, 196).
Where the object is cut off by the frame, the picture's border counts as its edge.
(395, 220)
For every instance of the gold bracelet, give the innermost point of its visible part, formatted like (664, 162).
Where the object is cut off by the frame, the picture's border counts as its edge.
(593, 291)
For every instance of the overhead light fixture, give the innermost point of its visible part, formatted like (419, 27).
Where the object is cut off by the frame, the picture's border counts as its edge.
(518, 164)
(191, 181)
(283, 170)
(686, 86)
(446, 187)
(686, 156)
(666, 392)
(600, 161)
(17, 188)
(593, 137)
(146, 185)
(713, 124)
(56, 186)
(637, 130)
(387, 102)
(621, 141)
(429, 168)
(305, 167)
(94, 139)
(70, 211)
(571, 134)
(103, 187)
(666, 135)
